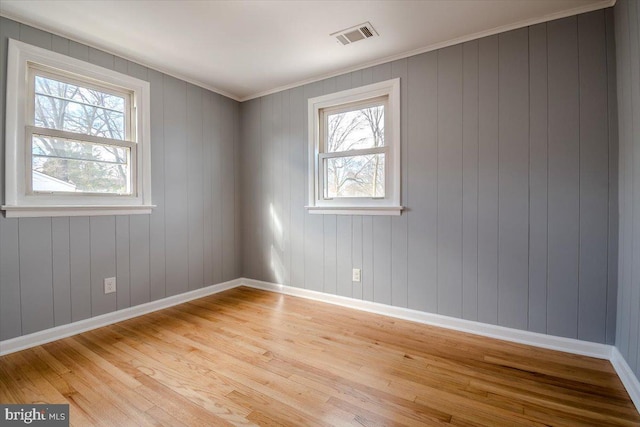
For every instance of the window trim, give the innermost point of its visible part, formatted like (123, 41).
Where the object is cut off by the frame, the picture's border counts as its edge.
(318, 107)
(21, 61)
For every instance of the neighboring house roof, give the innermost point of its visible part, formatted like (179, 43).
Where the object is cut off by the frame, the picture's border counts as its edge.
(43, 182)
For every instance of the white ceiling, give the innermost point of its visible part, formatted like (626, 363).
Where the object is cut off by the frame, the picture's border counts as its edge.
(245, 48)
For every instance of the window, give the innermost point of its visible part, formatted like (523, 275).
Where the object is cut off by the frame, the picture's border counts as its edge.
(77, 137)
(354, 151)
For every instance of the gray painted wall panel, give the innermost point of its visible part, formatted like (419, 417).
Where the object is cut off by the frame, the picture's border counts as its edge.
(627, 40)
(449, 236)
(538, 178)
(74, 255)
(298, 181)
(564, 178)
(175, 185)
(422, 181)
(157, 223)
(195, 186)
(139, 239)
(488, 170)
(61, 271)
(513, 190)
(470, 116)
(612, 253)
(36, 280)
(124, 262)
(381, 230)
(80, 265)
(103, 262)
(344, 235)
(10, 316)
(594, 177)
(356, 254)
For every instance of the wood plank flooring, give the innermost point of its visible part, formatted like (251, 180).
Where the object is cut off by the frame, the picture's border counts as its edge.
(249, 357)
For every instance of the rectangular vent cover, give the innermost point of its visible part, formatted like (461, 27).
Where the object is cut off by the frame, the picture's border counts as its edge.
(354, 34)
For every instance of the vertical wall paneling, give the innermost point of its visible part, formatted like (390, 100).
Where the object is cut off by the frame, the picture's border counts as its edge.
(470, 180)
(36, 37)
(612, 124)
(538, 178)
(488, 169)
(265, 209)
(513, 202)
(61, 271)
(284, 141)
(157, 222)
(449, 158)
(10, 316)
(195, 186)
(216, 142)
(36, 280)
(399, 224)
(237, 199)
(124, 264)
(207, 187)
(313, 224)
(103, 262)
(422, 181)
(176, 194)
(228, 198)
(564, 176)
(298, 178)
(140, 262)
(627, 42)
(594, 177)
(277, 251)
(80, 266)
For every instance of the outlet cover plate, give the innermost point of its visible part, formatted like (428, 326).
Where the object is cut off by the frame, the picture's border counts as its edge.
(356, 275)
(109, 285)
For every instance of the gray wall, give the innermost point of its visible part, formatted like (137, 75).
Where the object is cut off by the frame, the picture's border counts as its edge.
(627, 18)
(51, 269)
(509, 176)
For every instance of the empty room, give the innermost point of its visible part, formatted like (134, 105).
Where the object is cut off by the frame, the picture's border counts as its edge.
(320, 213)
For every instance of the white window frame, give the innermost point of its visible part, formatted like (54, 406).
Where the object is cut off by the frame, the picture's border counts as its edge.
(22, 62)
(388, 93)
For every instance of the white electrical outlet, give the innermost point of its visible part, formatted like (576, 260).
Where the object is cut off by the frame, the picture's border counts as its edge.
(355, 275)
(109, 285)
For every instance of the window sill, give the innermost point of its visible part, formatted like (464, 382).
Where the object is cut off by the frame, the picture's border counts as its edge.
(342, 210)
(92, 210)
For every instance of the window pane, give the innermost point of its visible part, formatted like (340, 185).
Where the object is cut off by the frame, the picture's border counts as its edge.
(355, 176)
(62, 165)
(354, 130)
(64, 106)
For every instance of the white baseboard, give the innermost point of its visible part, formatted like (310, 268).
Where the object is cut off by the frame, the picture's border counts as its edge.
(569, 345)
(42, 337)
(628, 378)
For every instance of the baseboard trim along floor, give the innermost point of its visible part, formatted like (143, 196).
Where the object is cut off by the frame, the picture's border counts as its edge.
(569, 345)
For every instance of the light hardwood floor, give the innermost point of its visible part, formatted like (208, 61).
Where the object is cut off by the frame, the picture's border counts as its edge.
(253, 357)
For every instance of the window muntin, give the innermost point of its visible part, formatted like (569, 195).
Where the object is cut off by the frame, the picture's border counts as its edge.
(77, 137)
(354, 155)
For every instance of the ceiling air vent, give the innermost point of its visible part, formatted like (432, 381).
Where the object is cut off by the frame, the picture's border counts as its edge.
(354, 34)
